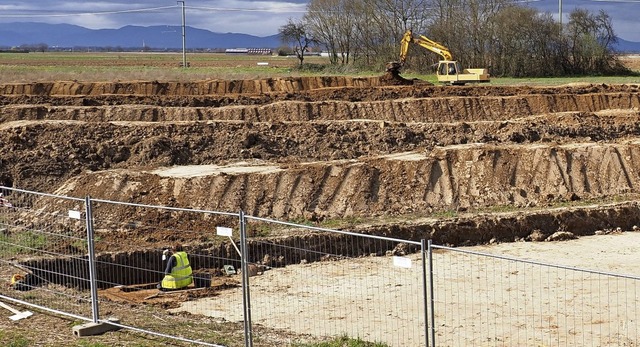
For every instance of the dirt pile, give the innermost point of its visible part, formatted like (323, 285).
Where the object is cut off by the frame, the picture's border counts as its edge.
(393, 78)
(323, 147)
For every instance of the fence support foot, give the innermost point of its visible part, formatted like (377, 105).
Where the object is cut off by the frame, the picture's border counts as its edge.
(91, 328)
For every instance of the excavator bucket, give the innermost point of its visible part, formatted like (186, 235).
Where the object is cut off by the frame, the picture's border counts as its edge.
(394, 67)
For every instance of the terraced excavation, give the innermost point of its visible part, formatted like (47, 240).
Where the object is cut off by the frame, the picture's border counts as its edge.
(397, 155)
(458, 165)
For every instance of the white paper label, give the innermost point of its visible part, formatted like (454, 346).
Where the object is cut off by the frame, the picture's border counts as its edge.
(402, 262)
(75, 214)
(222, 231)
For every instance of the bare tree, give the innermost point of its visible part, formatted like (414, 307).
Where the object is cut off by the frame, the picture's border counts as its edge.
(347, 26)
(466, 26)
(503, 35)
(322, 18)
(383, 24)
(335, 23)
(528, 43)
(525, 43)
(589, 38)
(296, 33)
(364, 30)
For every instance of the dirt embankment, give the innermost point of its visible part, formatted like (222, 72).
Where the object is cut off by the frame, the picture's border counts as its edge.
(322, 148)
(215, 87)
(454, 177)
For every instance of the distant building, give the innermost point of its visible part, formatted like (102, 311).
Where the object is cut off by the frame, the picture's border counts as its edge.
(236, 51)
(250, 51)
(260, 51)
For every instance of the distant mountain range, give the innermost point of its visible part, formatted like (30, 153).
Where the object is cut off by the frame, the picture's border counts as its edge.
(153, 37)
(625, 46)
(162, 37)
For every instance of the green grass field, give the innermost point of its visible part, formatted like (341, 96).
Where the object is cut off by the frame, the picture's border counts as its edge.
(90, 67)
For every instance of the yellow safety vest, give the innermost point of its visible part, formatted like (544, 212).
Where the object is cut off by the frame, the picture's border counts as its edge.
(180, 275)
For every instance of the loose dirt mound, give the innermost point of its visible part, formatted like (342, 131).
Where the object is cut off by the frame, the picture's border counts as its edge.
(133, 295)
(323, 147)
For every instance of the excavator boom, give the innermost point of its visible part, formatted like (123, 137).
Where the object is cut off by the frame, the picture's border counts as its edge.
(424, 42)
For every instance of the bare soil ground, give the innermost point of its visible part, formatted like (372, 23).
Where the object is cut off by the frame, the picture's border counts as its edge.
(400, 156)
(323, 284)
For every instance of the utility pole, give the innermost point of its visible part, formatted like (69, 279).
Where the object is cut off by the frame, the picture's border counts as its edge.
(560, 13)
(184, 38)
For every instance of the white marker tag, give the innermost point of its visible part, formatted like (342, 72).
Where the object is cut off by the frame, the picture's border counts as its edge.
(75, 214)
(222, 231)
(402, 262)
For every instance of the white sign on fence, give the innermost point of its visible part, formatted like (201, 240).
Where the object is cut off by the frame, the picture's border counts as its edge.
(222, 231)
(75, 214)
(402, 262)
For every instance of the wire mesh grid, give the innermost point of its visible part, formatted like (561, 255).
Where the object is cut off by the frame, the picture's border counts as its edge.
(43, 243)
(304, 282)
(130, 266)
(489, 300)
(318, 284)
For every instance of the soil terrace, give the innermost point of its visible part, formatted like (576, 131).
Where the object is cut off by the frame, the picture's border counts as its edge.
(322, 148)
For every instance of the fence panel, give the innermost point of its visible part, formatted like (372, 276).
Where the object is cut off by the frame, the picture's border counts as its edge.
(490, 300)
(43, 242)
(130, 265)
(312, 283)
(302, 283)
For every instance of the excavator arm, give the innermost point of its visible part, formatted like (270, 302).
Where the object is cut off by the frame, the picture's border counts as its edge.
(423, 42)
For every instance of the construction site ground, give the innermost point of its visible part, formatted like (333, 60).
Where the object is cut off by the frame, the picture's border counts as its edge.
(463, 166)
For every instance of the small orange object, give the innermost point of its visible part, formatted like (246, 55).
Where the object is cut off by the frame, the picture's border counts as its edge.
(16, 279)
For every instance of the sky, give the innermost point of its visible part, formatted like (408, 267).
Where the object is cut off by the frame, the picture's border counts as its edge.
(255, 17)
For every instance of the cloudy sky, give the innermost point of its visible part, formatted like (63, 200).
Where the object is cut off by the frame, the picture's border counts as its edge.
(256, 17)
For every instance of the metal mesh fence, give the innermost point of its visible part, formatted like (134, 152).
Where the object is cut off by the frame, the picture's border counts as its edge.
(315, 283)
(130, 267)
(490, 300)
(300, 283)
(43, 250)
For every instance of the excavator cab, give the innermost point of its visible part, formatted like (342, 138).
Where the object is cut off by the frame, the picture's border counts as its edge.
(448, 68)
(451, 72)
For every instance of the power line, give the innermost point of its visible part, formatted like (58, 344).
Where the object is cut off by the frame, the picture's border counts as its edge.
(69, 14)
(220, 9)
(151, 9)
(585, 1)
(231, 9)
(618, 1)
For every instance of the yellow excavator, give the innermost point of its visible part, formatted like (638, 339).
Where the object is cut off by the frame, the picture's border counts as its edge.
(449, 71)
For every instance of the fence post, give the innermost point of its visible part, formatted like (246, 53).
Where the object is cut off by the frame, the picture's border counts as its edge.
(246, 298)
(423, 253)
(433, 316)
(92, 260)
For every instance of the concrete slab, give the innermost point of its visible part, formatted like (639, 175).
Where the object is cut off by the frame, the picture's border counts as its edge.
(91, 328)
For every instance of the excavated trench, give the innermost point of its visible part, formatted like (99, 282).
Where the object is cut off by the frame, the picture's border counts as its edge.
(325, 149)
(301, 247)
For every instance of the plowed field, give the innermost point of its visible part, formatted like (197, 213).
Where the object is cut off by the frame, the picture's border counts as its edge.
(329, 148)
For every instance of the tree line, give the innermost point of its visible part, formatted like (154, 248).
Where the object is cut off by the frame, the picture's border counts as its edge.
(509, 38)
